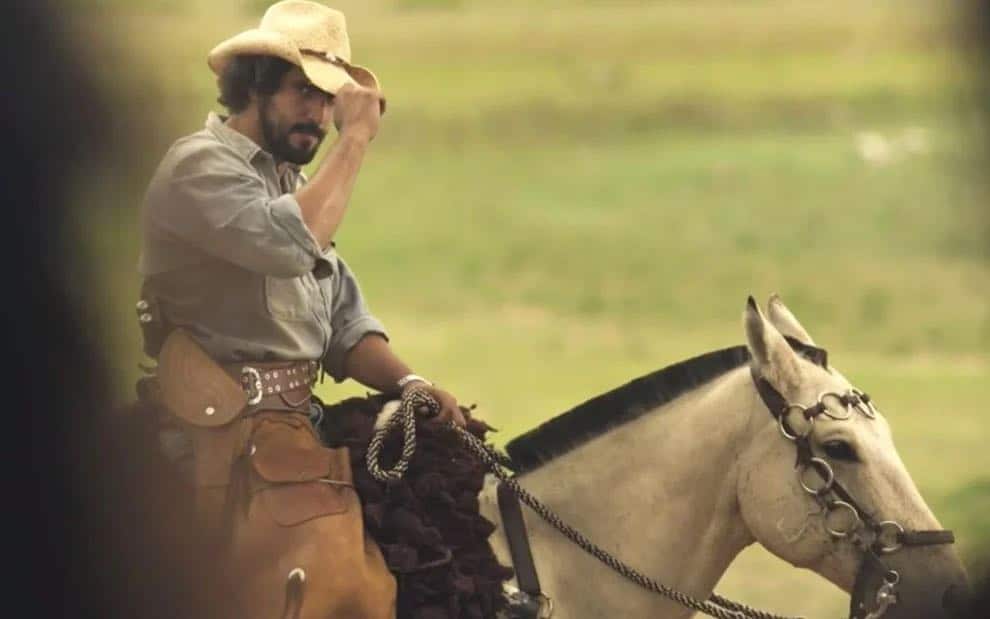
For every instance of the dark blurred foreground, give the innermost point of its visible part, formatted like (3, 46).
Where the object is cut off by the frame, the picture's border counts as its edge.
(98, 522)
(103, 532)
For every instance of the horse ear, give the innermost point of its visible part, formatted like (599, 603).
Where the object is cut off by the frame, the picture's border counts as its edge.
(784, 320)
(771, 355)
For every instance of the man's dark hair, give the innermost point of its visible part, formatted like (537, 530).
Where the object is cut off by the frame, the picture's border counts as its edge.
(247, 73)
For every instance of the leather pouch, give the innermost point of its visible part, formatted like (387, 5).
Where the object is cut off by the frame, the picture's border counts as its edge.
(293, 504)
(194, 387)
(299, 478)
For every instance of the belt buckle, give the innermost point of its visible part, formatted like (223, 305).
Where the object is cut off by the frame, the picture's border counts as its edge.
(251, 382)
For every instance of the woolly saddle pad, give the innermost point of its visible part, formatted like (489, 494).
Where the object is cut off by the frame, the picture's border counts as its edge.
(428, 524)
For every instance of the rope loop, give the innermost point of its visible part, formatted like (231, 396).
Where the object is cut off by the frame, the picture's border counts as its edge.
(415, 399)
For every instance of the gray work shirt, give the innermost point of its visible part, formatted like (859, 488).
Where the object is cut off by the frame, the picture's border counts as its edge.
(226, 255)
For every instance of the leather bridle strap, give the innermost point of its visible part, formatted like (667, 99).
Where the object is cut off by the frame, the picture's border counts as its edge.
(772, 399)
(518, 539)
(903, 538)
(926, 538)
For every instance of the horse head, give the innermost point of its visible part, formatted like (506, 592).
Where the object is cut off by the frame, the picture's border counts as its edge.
(821, 484)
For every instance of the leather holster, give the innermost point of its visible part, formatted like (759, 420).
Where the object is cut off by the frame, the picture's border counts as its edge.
(206, 403)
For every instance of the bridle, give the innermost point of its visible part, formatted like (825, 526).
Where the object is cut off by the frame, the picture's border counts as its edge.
(875, 538)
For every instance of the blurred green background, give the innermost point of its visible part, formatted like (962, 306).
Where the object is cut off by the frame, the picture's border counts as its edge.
(568, 194)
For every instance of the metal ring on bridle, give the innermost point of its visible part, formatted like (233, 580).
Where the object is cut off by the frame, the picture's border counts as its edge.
(826, 472)
(892, 577)
(827, 411)
(785, 426)
(888, 546)
(863, 404)
(838, 532)
(546, 607)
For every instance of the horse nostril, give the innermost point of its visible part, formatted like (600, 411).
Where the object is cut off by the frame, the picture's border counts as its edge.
(956, 601)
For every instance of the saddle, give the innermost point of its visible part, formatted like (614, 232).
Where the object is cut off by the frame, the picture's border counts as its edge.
(283, 504)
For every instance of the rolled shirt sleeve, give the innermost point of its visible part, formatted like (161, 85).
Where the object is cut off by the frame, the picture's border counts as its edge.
(213, 199)
(350, 319)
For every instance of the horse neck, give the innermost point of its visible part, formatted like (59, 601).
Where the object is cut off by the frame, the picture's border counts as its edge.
(658, 492)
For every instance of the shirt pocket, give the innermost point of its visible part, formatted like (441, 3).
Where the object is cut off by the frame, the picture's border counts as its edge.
(289, 298)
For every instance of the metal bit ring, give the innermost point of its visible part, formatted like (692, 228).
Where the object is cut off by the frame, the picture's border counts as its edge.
(863, 404)
(884, 530)
(828, 412)
(838, 533)
(785, 427)
(824, 469)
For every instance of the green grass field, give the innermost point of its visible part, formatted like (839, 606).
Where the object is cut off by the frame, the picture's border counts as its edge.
(565, 195)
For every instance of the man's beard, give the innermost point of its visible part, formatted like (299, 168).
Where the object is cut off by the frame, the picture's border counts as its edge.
(278, 143)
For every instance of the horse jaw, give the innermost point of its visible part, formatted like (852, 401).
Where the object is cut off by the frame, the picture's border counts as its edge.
(777, 512)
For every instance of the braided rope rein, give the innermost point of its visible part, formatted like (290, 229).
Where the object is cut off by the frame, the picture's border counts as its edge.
(418, 399)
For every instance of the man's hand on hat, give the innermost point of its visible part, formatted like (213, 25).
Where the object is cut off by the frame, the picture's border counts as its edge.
(357, 111)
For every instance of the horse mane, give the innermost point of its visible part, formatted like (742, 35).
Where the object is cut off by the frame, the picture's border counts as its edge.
(630, 401)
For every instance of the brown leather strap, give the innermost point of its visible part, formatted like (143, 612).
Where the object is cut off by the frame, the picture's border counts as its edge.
(293, 401)
(515, 534)
(280, 384)
(327, 56)
(926, 538)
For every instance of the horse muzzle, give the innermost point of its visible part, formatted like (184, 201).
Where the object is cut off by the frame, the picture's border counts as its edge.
(925, 585)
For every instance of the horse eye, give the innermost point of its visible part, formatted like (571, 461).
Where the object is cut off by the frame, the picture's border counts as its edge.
(840, 450)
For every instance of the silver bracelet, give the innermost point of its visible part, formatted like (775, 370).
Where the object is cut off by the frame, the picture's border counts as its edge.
(411, 378)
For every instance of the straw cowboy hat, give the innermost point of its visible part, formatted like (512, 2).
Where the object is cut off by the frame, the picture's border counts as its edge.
(307, 34)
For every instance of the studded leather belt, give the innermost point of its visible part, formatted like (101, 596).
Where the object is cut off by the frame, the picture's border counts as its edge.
(276, 385)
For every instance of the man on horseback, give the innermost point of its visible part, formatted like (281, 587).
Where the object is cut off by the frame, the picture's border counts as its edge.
(245, 301)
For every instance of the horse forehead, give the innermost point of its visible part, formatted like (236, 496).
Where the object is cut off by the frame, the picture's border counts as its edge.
(819, 380)
(871, 433)
(863, 427)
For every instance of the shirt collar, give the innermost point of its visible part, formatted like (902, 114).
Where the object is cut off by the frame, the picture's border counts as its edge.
(232, 137)
(241, 143)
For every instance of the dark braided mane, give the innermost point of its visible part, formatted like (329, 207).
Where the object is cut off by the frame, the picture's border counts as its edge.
(630, 401)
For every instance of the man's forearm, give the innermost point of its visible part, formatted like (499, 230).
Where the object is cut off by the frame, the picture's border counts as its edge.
(372, 363)
(324, 198)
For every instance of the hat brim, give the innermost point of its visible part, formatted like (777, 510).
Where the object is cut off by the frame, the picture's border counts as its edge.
(327, 76)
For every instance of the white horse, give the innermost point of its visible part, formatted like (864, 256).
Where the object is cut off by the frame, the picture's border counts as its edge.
(677, 472)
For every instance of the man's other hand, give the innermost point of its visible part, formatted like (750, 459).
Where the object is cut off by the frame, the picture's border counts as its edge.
(449, 410)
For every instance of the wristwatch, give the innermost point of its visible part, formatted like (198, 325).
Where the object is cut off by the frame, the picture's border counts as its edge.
(411, 378)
